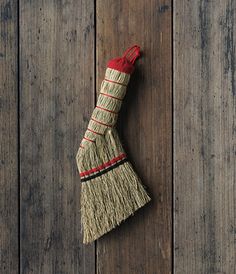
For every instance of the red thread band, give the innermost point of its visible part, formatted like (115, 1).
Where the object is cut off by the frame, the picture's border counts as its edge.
(114, 82)
(101, 123)
(108, 110)
(103, 166)
(108, 95)
(89, 140)
(95, 132)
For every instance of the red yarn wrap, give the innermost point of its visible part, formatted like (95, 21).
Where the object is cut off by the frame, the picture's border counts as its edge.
(126, 62)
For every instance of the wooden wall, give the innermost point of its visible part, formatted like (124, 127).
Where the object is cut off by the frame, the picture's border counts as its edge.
(204, 137)
(9, 143)
(177, 125)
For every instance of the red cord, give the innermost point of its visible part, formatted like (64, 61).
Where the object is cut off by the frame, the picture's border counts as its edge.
(126, 62)
(132, 53)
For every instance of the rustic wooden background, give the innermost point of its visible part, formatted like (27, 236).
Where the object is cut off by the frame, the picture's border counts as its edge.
(177, 123)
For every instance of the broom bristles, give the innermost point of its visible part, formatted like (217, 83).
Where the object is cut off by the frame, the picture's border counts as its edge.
(107, 201)
(108, 198)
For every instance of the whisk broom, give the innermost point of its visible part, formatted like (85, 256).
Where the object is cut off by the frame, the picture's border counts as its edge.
(111, 191)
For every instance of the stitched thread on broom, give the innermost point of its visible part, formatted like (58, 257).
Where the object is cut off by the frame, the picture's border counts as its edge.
(114, 82)
(108, 95)
(106, 107)
(87, 139)
(104, 165)
(101, 123)
(108, 110)
(104, 171)
(94, 131)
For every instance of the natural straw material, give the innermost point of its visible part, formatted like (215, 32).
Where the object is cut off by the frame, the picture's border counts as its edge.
(111, 191)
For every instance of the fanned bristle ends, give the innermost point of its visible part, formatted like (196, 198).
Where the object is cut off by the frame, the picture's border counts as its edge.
(112, 191)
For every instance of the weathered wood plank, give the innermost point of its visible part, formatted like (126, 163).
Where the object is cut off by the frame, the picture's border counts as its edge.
(57, 95)
(204, 137)
(8, 138)
(143, 243)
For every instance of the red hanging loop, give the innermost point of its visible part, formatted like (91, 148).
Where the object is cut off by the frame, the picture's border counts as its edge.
(126, 62)
(132, 53)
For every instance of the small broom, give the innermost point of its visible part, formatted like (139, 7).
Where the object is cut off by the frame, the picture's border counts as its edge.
(111, 191)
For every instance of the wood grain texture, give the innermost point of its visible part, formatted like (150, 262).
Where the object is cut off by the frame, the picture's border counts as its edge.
(8, 138)
(56, 99)
(204, 137)
(142, 244)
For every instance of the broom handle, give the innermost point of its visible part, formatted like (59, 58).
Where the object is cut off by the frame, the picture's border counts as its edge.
(112, 92)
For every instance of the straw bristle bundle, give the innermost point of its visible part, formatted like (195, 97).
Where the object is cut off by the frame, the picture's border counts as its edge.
(111, 190)
(110, 198)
